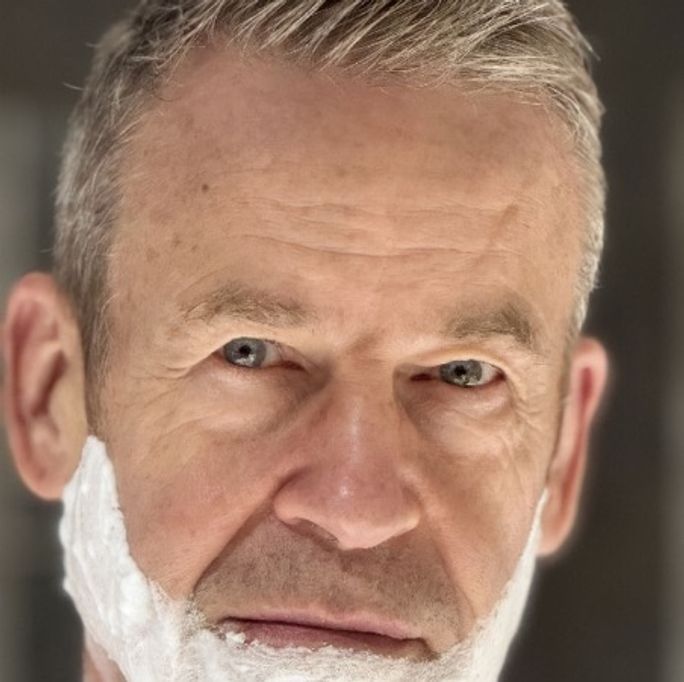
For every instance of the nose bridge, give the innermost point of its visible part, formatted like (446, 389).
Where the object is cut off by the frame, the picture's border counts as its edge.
(365, 410)
(351, 485)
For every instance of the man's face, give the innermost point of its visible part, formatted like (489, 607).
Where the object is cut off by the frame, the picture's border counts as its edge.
(366, 244)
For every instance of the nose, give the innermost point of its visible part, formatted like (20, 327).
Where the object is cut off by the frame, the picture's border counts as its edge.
(351, 487)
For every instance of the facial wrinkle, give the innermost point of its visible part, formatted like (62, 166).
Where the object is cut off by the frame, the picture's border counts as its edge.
(152, 638)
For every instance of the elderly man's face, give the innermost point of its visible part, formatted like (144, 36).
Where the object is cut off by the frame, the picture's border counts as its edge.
(365, 245)
(339, 318)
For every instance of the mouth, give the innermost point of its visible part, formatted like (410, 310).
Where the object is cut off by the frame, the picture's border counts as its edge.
(305, 630)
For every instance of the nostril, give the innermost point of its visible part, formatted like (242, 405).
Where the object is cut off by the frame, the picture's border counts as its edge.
(311, 529)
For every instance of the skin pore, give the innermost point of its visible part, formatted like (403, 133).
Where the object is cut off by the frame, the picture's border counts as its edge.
(361, 238)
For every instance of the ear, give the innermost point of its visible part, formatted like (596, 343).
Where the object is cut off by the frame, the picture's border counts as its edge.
(587, 381)
(44, 389)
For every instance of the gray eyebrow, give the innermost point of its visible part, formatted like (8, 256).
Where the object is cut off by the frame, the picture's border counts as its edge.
(509, 319)
(241, 302)
(238, 301)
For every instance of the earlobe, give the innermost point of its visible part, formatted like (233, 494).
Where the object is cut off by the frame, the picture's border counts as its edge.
(586, 386)
(43, 392)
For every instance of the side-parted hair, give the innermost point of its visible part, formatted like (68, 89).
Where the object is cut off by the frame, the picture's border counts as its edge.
(530, 48)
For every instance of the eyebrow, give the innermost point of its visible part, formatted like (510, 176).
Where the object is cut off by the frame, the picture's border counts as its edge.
(510, 319)
(235, 300)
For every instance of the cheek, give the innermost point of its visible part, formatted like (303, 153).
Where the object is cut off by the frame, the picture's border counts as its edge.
(481, 508)
(192, 476)
(184, 497)
(192, 465)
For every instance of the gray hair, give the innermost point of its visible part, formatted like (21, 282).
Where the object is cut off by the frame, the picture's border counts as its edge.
(532, 48)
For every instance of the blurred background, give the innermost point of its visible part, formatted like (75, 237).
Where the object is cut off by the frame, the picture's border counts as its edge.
(611, 606)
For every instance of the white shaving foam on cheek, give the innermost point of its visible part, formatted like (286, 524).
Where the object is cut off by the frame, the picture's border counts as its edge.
(153, 638)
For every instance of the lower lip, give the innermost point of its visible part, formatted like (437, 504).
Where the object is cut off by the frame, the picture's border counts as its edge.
(278, 634)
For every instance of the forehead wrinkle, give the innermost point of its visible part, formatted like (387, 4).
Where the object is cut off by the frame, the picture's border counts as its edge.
(350, 178)
(400, 252)
(435, 220)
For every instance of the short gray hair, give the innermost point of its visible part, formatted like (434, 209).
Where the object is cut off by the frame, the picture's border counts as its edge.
(529, 47)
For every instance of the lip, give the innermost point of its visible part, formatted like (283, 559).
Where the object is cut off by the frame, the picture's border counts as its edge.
(349, 622)
(356, 632)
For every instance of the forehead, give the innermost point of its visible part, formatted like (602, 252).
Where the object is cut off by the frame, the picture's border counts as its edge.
(231, 116)
(247, 169)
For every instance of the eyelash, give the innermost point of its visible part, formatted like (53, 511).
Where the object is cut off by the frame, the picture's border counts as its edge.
(438, 370)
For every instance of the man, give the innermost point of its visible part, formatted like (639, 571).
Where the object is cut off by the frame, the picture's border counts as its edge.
(309, 374)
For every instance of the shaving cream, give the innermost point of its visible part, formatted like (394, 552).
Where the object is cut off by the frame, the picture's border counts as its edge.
(152, 638)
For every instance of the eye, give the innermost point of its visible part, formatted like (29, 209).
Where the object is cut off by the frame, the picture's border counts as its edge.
(249, 352)
(469, 373)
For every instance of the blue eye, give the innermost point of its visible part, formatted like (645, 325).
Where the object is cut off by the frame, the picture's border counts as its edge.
(246, 351)
(254, 353)
(468, 373)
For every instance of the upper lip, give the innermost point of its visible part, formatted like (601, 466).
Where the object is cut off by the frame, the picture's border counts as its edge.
(353, 621)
